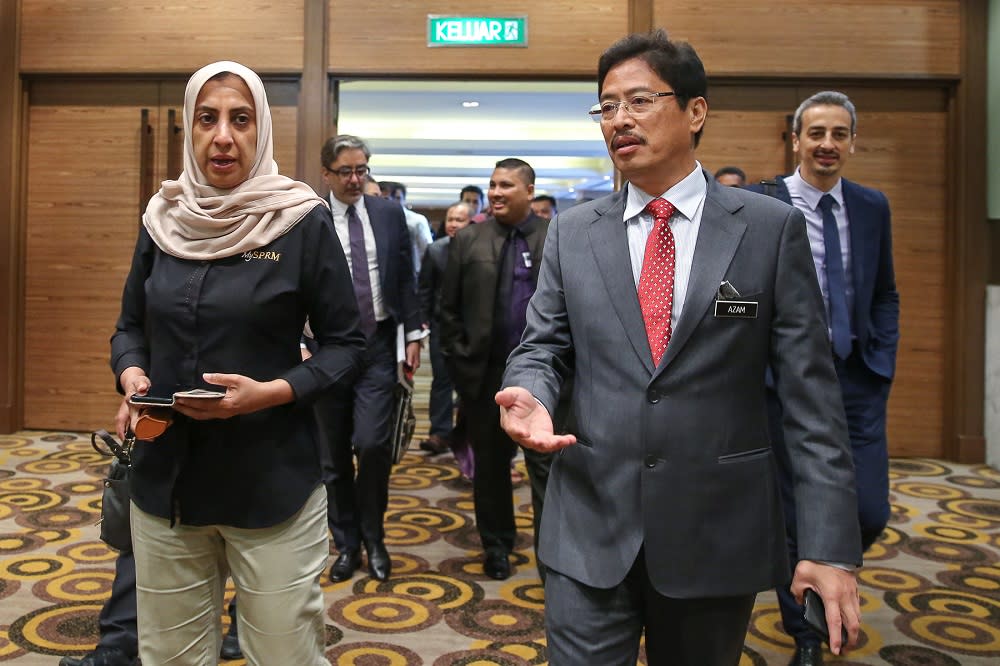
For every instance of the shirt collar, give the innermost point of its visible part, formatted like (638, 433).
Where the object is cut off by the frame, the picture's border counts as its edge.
(686, 196)
(525, 226)
(339, 208)
(810, 194)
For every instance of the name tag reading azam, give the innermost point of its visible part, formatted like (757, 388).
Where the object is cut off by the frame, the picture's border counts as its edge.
(736, 309)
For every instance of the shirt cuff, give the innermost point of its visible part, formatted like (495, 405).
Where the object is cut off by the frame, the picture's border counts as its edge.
(839, 565)
(416, 336)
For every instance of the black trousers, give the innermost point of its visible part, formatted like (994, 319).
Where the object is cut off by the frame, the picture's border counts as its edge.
(358, 420)
(491, 485)
(117, 620)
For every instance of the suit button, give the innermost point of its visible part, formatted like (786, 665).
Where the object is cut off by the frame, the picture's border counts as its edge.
(650, 461)
(653, 396)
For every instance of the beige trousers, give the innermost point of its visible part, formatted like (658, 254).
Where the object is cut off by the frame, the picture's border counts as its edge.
(181, 574)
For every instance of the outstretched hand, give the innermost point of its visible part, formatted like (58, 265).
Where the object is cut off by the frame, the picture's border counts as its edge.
(839, 591)
(243, 396)
(527, 422)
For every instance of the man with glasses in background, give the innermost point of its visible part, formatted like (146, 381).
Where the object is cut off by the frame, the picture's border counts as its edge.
(666, 302)
(375, 239)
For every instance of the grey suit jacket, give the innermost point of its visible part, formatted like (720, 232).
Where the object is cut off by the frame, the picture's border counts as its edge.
(677, 458)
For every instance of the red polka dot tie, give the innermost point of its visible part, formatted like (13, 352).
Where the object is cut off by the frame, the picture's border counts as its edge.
(656, 282)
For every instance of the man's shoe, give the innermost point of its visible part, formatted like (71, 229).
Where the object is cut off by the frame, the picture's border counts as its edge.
(379, 562)
(497, 565)
(345, 564)
(100, 657)
(807, 655)
(435, 444)
(231, 647)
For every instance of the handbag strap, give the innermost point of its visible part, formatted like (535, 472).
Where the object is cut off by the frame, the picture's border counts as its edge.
(121, 451)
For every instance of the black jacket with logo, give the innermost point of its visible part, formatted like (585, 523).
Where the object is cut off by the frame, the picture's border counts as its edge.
(242, 314)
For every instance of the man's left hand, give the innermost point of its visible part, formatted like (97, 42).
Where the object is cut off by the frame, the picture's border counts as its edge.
(839, 591)
(413, 355)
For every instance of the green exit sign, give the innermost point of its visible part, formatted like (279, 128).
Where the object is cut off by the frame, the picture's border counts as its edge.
(477, 30)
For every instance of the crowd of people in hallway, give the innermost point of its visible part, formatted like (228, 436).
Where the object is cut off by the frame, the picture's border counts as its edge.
(695, 369)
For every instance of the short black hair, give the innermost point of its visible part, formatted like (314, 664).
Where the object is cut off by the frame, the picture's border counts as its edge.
(519, 165)
(726, 170)
(677, 63)
(546, 197)
(472, 188)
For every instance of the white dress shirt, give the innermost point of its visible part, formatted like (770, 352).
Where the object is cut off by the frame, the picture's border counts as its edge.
(339, 210)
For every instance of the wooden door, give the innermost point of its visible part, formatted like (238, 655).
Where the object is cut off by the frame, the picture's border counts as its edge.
(96, 151)
(83, 207)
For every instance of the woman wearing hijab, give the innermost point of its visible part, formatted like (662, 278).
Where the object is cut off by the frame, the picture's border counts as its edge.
(230, 261)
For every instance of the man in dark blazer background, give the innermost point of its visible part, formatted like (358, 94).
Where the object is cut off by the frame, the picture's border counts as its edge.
(435, 260)
(374, 235)
(848, 223)
(667, 301)
(491, 274)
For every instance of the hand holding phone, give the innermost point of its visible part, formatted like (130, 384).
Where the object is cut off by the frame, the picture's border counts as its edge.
(815, 616)
(150, 400)
(168, 401)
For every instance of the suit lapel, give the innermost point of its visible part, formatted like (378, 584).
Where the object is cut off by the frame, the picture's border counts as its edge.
(609, 241)
(857, 225)
(381, 233)
(718, 238)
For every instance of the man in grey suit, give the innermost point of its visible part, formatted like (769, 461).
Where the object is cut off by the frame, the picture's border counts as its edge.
(666, 302)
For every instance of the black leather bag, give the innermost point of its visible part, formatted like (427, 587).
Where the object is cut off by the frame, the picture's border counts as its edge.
(115, 525)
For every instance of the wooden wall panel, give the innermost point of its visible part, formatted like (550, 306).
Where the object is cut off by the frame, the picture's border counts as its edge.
(750, 140)
(565, 38)
(82, 222)
(890, 148)
(116, 36)
(889, 144)
(806, 38)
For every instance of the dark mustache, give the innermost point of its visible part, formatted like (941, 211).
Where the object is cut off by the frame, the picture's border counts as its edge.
(620, 135)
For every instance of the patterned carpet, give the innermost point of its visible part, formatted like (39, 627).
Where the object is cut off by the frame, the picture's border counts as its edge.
(930, 589)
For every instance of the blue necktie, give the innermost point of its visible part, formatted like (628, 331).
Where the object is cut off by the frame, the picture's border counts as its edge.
(836, 283)
(359, 269)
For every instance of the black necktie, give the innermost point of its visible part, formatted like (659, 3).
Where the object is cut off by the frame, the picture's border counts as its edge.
(359, 269)
(836, 282)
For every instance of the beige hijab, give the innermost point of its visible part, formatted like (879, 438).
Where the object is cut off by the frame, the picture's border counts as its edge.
(190, 219)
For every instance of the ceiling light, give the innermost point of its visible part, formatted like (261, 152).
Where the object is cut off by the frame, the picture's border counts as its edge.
(470, 104)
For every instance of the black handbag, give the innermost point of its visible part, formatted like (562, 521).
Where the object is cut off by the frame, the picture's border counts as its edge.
(115, 525)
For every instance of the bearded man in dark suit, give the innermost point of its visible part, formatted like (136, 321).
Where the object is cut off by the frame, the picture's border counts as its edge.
(851, 241)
